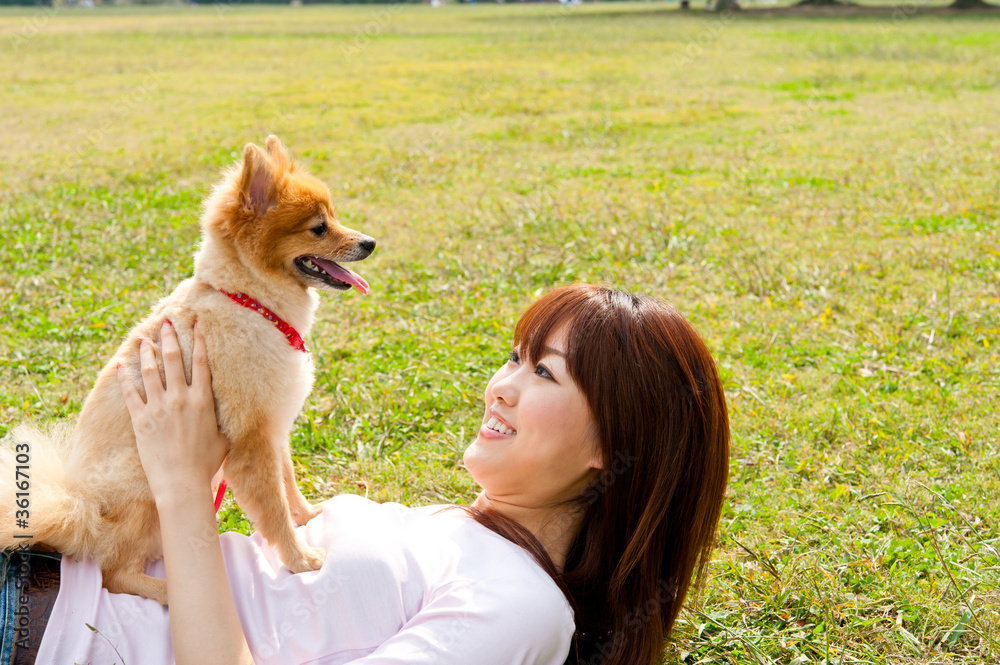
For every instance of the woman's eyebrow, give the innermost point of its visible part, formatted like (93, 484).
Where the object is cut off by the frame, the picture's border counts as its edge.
(548, 350)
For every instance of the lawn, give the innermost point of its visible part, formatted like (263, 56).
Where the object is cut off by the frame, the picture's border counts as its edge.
(819, 195)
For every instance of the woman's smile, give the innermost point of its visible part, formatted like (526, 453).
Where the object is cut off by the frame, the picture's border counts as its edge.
(496, 425)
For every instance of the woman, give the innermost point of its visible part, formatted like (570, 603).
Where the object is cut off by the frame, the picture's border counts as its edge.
(602, 458)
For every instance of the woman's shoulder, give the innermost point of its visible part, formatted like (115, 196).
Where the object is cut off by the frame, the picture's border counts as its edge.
(450, 535)
(457, 583)
(455, 541)
(503, 574)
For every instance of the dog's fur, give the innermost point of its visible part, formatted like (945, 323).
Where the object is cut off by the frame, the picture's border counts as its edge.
(88, 493)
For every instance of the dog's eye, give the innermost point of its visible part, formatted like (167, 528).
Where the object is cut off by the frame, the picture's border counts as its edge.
(320, 230)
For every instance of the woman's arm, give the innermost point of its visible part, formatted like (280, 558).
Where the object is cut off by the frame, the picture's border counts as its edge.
(181, 449)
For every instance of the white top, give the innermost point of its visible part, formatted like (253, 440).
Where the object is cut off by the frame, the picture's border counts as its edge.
(399, 585)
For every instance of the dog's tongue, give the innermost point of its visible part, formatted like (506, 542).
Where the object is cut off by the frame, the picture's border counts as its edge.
(343, 274)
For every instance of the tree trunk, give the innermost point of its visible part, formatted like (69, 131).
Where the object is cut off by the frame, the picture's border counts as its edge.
(971, 4)
(725, 5)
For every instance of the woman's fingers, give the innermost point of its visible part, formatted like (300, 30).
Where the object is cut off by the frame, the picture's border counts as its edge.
(133, 400)
(173, 363)
(150, 372)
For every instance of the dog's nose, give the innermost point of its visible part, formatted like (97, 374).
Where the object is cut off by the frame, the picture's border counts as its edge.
(368, 244)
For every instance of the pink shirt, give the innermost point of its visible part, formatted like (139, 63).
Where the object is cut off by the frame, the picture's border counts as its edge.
(399, 585)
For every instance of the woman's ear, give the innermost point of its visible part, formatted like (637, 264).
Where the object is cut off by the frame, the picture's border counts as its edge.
(597, 455)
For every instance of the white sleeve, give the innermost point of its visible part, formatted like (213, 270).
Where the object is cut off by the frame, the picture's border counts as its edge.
(511, 630)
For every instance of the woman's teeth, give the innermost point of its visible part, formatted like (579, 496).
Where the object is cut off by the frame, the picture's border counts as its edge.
(495, 424)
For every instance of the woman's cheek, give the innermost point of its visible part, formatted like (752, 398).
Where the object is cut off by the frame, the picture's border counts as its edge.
(534, 462)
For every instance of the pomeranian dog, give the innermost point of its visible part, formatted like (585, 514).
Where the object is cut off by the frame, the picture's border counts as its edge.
(269, 239)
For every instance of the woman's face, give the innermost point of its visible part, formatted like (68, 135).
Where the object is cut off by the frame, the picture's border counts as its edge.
(537, 445)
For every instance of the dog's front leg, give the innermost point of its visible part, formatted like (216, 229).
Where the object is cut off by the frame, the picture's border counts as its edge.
(254, 469)
(302, 511)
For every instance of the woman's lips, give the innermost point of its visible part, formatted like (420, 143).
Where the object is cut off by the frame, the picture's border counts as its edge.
(488, 433)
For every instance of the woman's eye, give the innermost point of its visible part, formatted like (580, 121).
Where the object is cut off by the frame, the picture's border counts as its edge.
(513, 357)
(542, 372)
(320, 230)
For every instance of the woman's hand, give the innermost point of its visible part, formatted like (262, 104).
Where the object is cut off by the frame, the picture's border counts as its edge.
(176, 432)
(181, 449)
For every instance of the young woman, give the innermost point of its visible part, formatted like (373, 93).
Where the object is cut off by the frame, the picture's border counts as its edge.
(602, 458)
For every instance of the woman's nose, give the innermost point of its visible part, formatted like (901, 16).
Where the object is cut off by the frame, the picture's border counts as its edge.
(503, 387)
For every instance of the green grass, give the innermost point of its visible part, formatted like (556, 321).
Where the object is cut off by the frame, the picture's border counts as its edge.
(818, 195)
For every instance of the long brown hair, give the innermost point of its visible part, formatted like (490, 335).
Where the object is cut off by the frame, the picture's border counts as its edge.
(651, 515)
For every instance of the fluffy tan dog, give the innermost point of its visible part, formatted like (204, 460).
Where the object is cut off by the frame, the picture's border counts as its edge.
(268, 232)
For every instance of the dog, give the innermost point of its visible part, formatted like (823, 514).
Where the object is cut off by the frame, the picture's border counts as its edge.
(270, 238)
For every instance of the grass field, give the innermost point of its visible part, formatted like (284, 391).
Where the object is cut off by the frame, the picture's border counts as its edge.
(818, 195)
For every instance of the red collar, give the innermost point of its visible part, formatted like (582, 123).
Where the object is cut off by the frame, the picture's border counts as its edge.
(291, 334)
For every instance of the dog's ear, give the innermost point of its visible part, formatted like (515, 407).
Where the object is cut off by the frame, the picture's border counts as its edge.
(257, 181)
(278, 153)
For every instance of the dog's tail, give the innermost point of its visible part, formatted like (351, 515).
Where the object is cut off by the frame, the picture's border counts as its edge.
(38, 503)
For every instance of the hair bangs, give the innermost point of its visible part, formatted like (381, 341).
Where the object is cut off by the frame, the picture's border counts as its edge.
(545, 316)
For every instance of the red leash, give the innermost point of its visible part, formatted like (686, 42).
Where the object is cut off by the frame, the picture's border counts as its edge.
(219, 495)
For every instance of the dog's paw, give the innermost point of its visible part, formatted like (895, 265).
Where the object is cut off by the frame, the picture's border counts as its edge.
(305, 513)
(310, 558)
